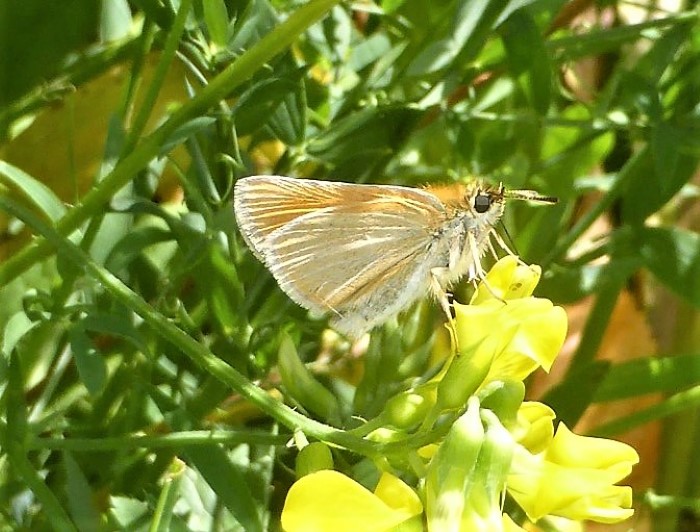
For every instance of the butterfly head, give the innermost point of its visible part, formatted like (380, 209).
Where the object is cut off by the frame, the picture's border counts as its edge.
(482, 198)
(485, 203)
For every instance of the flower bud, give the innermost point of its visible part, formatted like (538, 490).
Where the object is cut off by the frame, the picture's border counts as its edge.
(408, 409)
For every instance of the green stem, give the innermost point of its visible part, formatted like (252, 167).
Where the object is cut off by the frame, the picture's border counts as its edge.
(595, 42)
(197, 352)
(52, 508)
(166, 59)
(664, 502)
(168, 497)
(239, 72)
(684, 401)
(173, 440)
(14, 436)
(596, 324)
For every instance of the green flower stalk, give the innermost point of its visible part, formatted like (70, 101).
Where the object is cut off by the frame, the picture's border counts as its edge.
(451, 470)
(495, 444)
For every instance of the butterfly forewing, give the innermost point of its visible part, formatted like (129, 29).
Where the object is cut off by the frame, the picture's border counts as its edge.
(332, 246)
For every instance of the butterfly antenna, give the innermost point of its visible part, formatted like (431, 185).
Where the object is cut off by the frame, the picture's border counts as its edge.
(530, 195)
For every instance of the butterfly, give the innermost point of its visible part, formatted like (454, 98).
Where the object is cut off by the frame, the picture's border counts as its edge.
(364, 253)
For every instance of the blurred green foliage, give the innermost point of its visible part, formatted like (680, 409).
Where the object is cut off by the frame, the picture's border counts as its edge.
(98, 407)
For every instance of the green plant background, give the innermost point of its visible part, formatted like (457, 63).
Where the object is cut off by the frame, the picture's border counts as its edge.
(133, 324)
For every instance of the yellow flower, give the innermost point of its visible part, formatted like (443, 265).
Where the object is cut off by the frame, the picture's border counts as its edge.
(574, 477)
(534, 429)
(498, 444)
(527, 331)
(509, 279)
(330, 501)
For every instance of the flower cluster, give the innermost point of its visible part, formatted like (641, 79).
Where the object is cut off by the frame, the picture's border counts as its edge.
(498, 446)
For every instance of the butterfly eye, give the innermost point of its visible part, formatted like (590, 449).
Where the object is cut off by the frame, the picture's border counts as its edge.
(482, 203)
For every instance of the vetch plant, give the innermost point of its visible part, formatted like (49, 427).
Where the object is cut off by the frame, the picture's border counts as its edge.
(496, 447)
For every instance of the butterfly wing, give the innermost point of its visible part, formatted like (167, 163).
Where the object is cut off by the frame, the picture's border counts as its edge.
(358, 251)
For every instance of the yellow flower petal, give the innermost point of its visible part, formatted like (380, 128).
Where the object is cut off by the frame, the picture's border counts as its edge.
(508, 279)
(398, 495)
(534, 429)
(571, 450)
(528, 332)
(476, 322)
(542, 329)
(330, 501)
(574, 478)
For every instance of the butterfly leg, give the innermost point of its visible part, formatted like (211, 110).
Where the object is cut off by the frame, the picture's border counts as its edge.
(504, 246)
(437, 286)
(476, 271)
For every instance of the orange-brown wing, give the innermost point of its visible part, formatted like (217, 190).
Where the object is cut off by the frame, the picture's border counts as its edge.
(263, 204)
(325, 242)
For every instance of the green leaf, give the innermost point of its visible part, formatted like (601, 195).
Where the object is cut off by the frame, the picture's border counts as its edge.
(115, 323)
(133, 244)
(367, 133)
(598, 42)
(568, 284)
(368, 51)
(673, 256)
(279, 100)
(80, 496)
(15, 328)
(670, 171)
(184, 132)
(391, 5)
(288, 121)
(32, 190)
(258, 19)
(649, 375)
(528, 58)
(224, 293)
(382, 371)
(570, 398)
(89, 361)
(472, 23)
(228, 482)
(128, 511)
(115, 20)
(568, 152)
(652, 65)
(302, 386)
(216, 19)
(37, 37)
(682, 401)
(16, 406)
